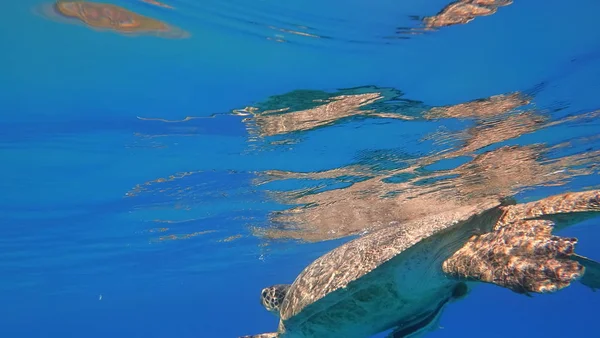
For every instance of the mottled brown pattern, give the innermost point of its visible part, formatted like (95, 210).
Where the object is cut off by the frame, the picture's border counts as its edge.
(102, 15)
(516, 252)
(496, 130)
(362, 206)
(491, 106)
(338, 107)
(106, 16)
(280, 120)
(356, 258)
(271, 297)
(521, 253)
(373, 203)
(559, 204)
(523, 257)
(464, 11)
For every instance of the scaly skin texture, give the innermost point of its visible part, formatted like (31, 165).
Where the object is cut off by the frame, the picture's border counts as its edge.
(522, 256)
(355, 259)
(567, 203)
(271, 297)
(521, 253)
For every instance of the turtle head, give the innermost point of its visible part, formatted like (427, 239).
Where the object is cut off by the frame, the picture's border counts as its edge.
(272, 297)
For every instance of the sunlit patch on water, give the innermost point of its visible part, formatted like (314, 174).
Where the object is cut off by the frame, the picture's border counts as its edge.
(459, 12)
(174, 237)
(474, 154)
(108, 17)
(139, 188)
(370, 200)
(157, 3)
(284, 23)
(303, 110)
(196, 205)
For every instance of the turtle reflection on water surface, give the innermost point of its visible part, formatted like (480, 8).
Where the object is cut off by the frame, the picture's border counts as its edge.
(400, 277)
(109, 17)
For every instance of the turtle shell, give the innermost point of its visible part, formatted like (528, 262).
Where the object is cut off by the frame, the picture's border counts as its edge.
(357, 258)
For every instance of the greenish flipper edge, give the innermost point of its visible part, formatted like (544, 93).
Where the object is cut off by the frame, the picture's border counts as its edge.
(431, 321)
(420, 328)
(591, 277)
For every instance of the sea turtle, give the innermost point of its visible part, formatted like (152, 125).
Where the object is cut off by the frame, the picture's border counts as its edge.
(401, 277)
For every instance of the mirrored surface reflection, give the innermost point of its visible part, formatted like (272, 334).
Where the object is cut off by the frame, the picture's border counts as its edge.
(473, 153)
(267, 20)
(459, 12)
(464, 11)
(482, 166)
(109, 17)
(304, 110)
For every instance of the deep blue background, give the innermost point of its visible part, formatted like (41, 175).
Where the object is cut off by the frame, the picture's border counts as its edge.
(70, 98)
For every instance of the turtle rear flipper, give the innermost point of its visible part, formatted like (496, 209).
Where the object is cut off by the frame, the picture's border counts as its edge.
(523, 256)
(421, 327)
(591, 277)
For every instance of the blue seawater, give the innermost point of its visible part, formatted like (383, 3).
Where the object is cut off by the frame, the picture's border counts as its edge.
(119, 217)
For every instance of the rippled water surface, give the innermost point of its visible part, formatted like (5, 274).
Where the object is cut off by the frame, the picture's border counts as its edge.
(162, 162)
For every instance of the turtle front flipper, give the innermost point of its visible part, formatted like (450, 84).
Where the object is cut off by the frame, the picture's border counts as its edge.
(522, 256)
(563, 209)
